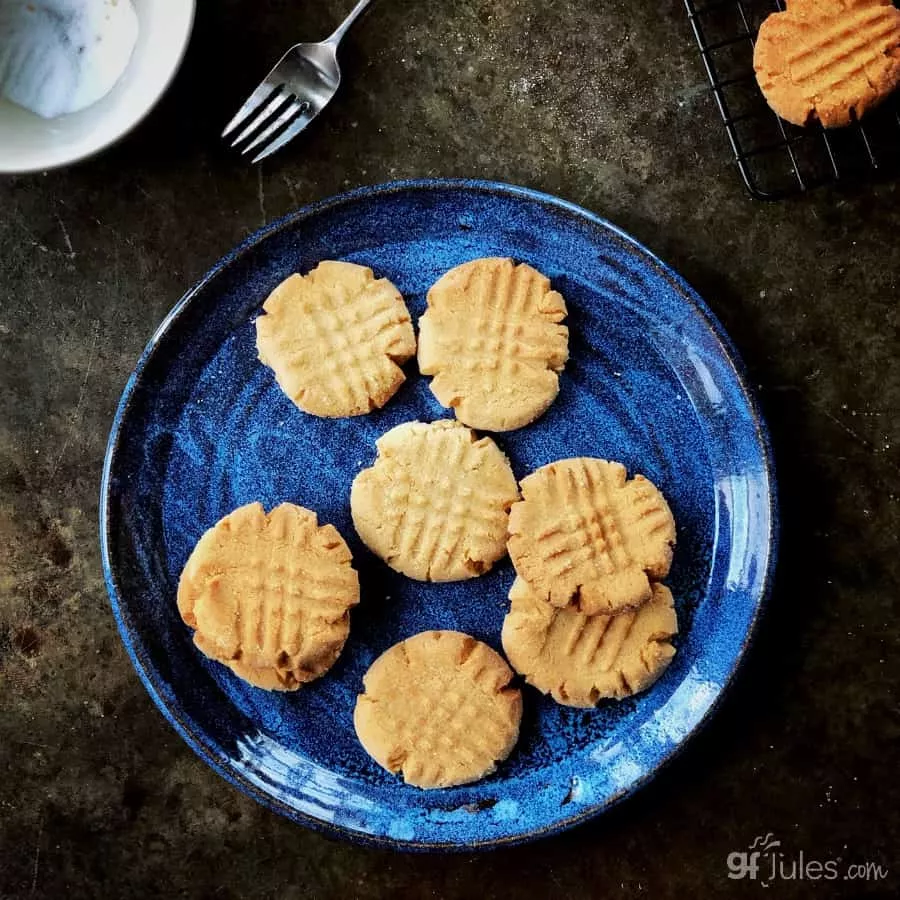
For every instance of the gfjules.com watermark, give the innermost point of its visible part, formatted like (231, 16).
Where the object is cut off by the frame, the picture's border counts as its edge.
(764, 861)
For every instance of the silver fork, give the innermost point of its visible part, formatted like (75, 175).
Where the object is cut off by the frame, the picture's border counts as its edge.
(303, 81)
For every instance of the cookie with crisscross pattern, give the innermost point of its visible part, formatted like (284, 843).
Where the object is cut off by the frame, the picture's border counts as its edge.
(492, 338)
(269, 595)
(435, 504)
(438, 708)
(584, 534)
(581, 659)
(336, 339)
(829, 60)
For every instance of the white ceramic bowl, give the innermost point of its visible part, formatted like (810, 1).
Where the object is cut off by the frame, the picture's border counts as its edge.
(29, 143)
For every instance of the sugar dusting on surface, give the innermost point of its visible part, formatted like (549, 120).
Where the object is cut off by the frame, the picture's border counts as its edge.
(61, 56)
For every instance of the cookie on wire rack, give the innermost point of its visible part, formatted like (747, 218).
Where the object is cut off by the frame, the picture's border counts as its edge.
(828, 60)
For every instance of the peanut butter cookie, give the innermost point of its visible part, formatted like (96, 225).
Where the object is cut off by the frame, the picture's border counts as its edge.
(583, 534)
(581, 659)
(829, 60)
(269, 595)
(492, 338)
(438, 709)
(435, 504)
(336, 339)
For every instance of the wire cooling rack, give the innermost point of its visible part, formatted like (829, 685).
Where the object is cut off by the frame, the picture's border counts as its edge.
(775, 158)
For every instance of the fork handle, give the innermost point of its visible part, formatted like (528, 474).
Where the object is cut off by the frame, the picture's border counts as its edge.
(342, 29)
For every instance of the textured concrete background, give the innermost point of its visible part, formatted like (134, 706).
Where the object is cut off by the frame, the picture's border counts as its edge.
(606, 105)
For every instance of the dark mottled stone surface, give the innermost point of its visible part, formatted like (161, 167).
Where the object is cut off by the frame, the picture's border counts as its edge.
(606, 105)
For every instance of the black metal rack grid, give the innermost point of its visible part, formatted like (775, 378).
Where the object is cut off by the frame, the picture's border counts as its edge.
(775, 158)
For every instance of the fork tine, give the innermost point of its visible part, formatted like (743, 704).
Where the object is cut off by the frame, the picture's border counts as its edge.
(287, 135)
(271, 108)
(296, 107)
(262, 94)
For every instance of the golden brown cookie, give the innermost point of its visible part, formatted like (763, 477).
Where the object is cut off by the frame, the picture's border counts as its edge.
(435, 504)
(336, 339)
(581, 659)
(269, 595)
(829, 60)
(492, 338)
(438, 708)
(585, 535)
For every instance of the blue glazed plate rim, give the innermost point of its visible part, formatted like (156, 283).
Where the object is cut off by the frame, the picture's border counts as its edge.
(126, 630)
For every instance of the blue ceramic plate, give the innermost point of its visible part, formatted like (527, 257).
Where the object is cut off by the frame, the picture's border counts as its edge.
(202, 428)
